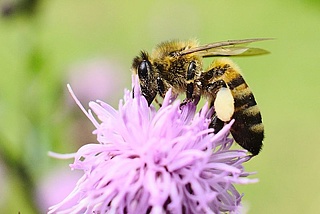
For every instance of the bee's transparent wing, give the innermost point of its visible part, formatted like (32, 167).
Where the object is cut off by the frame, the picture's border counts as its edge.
(227, 48)
(233, 51)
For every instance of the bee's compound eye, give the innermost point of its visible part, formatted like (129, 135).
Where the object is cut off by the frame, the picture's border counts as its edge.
(143, 69)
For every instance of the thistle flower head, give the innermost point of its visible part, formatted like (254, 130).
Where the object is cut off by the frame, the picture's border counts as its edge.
(156, 161)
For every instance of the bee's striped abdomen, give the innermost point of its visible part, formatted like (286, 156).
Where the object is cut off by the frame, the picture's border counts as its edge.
(248, 129)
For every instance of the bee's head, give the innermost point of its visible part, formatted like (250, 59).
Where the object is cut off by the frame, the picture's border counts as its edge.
(147, 76)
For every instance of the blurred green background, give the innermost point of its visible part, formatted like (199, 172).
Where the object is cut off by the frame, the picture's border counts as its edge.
(46, 44)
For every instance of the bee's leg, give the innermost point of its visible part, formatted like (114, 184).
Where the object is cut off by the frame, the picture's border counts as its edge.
(161, 89)
(216, 124)
(213, 88)
(189, 94)
(158, 102)
(190, 84)
(190, 80)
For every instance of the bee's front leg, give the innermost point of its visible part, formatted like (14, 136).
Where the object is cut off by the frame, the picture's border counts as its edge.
(160, 87)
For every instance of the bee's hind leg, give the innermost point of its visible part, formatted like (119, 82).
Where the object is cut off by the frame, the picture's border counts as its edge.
(216, 124)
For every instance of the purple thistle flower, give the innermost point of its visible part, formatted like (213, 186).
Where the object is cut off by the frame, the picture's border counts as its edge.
(148, 161)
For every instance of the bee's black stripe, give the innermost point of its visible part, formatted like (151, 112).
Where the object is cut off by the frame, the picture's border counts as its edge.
(249, 120)
(250, 139)
(246, 130)
(246, 101)
(236, 82)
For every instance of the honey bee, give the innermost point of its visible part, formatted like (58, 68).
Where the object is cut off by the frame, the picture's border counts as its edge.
(179, 65)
